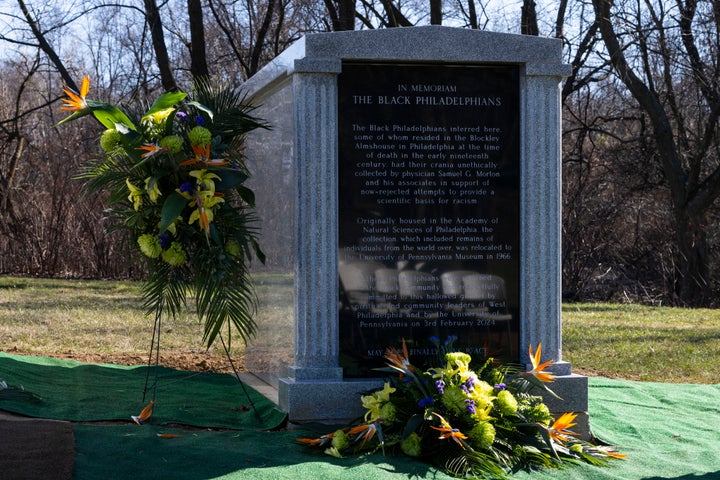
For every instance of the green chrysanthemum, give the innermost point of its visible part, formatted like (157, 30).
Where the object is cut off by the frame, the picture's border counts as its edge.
(536, 412)
(411, 446)
(172, 142)
(388, 412)
(506, 403)
(110, 139)
(232, 248)
(200, 136)
(456, 358)
(175, 255)
(149, 245)
(340, 440)
(482, 435)
(455, 400)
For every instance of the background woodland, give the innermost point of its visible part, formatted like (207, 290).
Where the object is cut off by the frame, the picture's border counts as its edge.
(641, 141)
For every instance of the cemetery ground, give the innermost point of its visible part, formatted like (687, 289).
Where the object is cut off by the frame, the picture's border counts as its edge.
(105, 322)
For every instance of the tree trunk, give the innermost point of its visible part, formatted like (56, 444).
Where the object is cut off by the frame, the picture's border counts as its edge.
(152, 17)
(395, 18)
(198, 59)
(260, 38)
(435, 12)
(528, 20)
(346, 16)
(691, 285)
(472, 15)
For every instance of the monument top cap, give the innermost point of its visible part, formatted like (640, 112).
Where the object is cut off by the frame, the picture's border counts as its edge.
(324, 52)
(433, 43)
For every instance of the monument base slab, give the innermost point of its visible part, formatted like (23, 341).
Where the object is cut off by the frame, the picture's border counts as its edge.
(325, 401)
(572, 390)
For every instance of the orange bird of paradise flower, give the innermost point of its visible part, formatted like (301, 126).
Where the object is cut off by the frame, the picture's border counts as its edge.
(202, 156)
(318, 442)
(610, 452)
(447, 431)
(399, 361)
(76, 101)
(204, 220)
(538, 368)
(144, 414)
(365, 432)
(151, 149)
(559, 429)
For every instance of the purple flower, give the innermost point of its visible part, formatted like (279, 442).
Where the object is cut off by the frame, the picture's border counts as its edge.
(199, 120)
(500, 386)
(186, 187)
(164, 240)
(440, 385)
(464, 388)
(470, 382)
(425, 402)
(470, 405)
(182, 116)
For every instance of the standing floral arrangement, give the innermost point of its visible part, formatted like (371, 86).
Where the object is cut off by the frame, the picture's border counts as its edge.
(480, 423)
(175, 177)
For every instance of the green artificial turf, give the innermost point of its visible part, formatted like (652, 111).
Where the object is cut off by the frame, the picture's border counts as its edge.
(668, 431)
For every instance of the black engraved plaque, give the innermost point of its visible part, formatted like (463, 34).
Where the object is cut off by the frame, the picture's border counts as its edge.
(429, 206)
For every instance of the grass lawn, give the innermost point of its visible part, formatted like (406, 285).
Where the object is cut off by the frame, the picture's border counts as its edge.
(635, 342)
(76, 317)
(96, 321)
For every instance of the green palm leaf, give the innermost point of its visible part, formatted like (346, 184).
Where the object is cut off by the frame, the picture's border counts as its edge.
(226, 303)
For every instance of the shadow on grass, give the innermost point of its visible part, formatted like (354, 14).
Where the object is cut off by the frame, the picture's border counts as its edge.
(124, 452)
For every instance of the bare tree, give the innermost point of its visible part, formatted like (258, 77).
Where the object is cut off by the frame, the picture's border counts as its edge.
(684, 124)
(253, 32)
(44, 45)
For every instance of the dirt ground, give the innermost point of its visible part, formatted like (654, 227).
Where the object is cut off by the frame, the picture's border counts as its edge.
(191, 361)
